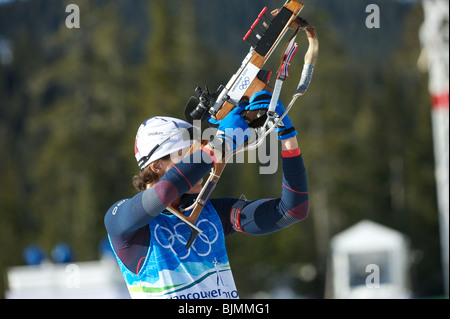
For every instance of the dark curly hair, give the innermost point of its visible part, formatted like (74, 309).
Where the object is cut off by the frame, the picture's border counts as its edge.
(147, 176)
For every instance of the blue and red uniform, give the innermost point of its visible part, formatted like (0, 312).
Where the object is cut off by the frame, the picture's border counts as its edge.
(143, 233)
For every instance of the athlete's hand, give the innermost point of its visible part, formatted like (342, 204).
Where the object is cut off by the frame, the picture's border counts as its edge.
(261, 101)
(233, 128)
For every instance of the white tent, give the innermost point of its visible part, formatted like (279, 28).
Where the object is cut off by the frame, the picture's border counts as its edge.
(370, 261)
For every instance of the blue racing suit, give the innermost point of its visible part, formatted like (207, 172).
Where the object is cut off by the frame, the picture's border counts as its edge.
(149, 242)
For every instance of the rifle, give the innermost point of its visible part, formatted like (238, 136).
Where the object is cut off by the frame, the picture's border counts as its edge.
(264, 37)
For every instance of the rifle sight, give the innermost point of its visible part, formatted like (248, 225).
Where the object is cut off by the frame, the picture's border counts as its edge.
(198, 107)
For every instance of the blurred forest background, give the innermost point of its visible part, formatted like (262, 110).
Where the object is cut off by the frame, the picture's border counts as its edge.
(71, 101)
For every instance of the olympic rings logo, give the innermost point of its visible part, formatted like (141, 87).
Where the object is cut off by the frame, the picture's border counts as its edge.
(176, 242)
(245, 84)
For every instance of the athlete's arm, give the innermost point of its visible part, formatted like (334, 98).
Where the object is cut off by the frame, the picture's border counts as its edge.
(269, 215)
(129, 216)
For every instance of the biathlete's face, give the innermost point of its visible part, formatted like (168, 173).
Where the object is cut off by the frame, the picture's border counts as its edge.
(176, 157)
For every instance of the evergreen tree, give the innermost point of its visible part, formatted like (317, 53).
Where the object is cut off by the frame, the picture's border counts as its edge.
(78, 130)
(72, 100)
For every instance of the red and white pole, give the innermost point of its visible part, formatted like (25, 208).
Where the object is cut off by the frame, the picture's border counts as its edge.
(434, 35)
